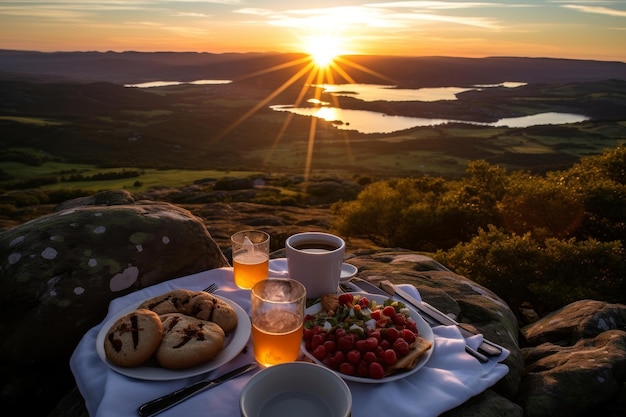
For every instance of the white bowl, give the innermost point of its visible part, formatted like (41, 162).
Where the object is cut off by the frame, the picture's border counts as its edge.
(301, 389)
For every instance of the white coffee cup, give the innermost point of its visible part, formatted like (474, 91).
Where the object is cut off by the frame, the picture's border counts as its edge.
(315, 259)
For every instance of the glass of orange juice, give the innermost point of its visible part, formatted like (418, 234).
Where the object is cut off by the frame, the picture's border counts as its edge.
(277, 306)
(250, 257)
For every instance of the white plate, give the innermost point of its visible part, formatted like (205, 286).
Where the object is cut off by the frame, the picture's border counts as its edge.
(233, 344)
(423, 329)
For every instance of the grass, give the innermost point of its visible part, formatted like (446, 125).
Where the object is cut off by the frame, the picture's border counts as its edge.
(148, 178)
(36, 121)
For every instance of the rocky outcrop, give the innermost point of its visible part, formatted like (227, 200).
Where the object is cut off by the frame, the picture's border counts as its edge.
(569, 363)
(59, 272)
(575, 362)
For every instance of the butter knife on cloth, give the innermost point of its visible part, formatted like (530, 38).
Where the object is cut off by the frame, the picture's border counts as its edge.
(485, 350)
(167, 401)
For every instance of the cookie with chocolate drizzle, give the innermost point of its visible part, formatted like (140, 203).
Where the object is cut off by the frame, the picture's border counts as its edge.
(133, 338)
(188, 341)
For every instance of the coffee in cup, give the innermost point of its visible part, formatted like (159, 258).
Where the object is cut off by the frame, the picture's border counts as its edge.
(315, 259)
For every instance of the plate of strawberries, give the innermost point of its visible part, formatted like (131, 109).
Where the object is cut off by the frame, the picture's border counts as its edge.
(366, 337)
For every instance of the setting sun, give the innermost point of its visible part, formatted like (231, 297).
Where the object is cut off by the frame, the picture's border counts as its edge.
(323, 49)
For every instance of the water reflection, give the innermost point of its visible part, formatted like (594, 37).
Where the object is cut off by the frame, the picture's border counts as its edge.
(362, 120)
(365, 121)
(372, 122)
(376, 92)
(153, 84)
(550, 118)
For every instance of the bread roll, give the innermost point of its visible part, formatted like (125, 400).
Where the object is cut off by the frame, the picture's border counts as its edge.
(175, 301)
(133, 338)
(197, 304)
(208, 307)
(188, 341)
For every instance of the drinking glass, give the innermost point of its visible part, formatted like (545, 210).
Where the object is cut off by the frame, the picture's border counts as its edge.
(277, 306)
(250, 257)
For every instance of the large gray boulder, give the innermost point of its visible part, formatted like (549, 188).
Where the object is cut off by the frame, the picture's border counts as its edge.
(575, 362)
(59, 272)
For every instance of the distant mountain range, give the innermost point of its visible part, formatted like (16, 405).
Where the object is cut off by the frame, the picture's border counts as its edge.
(136, 67)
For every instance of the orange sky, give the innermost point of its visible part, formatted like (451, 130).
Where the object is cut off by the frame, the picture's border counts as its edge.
(581, 29)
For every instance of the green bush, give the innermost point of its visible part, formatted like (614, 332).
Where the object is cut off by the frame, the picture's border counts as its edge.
(542, 207)
(548, 239)
(424, 213)
(550, 275)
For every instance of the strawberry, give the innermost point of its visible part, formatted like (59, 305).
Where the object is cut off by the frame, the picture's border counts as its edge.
(346, 299)
(376, 370)
(408, 335)
(389, 311)
(390, 357)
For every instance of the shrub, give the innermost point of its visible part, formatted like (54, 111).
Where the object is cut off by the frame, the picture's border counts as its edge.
(541, 207)
(548, 239)
(549, 276)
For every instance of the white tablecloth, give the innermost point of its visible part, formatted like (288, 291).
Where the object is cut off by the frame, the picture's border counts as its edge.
(447, 380)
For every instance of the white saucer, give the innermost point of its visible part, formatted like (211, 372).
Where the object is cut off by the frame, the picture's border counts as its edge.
(347, 272)
(278, 268)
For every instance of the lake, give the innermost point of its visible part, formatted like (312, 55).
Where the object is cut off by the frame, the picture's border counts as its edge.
(373, 122)
(365, 121)
(153, 84)
(376, 92)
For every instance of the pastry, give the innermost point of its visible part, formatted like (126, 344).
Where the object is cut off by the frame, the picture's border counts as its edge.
(197, 304)
(207, 307)
(133, 338)
(175, 301)
(188, 341)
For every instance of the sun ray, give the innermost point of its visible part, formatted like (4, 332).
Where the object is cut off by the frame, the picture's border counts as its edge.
(335, 100)
(264, 102)
(290, 116)
(321, 76)
(310, 148)
(345, 61)
(321, 65)
(299, 61)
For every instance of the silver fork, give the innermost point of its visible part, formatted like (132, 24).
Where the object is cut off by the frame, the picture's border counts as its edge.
(211, 288)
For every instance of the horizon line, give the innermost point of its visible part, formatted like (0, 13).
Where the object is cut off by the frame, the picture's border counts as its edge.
(110, 51)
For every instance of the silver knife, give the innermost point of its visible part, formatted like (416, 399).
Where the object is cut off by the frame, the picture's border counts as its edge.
(432, 321)
(487, 347)
(163, 403)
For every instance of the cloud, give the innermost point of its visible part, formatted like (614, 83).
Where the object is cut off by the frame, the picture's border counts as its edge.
(437, 5)
(481, 22)
(142, 23)
(189, 14)
(596, 10)
(255, 11)
(375, 15)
